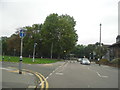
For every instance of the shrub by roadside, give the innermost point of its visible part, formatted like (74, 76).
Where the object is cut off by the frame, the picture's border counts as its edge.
(115, 62)
(104, 61)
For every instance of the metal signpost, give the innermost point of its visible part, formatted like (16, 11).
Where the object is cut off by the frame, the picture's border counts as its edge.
(20, 61)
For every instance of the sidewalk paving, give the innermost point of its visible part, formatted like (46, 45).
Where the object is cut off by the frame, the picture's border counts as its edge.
(12, 79)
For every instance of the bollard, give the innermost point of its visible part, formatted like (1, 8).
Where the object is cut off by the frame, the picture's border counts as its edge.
(20, 65)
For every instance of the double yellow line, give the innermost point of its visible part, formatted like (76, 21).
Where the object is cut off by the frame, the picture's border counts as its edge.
(43, 82)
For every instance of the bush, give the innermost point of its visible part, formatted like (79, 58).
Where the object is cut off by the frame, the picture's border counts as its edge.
(115, 61)
(104, 61)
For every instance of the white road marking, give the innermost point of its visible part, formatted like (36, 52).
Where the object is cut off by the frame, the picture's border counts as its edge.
(101, 75)
(6, 69)
(105, 76)
(59, 73)
(53, 71)
(31, 86)
(46, 78)
(30, 73)
(98, 74)
(41, 83)
(50, 74)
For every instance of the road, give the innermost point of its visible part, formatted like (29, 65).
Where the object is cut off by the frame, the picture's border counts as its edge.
(73, 75)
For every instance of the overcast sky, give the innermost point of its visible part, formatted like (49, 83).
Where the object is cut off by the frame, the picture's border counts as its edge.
(88, 14)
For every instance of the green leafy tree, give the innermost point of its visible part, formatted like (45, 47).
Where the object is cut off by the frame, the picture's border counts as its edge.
(58, 32)
(32, 36)
(13, 45)
(4, 45)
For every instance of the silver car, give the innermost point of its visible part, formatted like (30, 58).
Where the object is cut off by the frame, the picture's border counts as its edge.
(85, 61)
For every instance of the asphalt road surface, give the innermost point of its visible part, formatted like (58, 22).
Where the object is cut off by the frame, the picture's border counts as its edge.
(73, 75)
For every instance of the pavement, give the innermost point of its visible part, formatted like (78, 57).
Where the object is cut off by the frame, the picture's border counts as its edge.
(12, 79)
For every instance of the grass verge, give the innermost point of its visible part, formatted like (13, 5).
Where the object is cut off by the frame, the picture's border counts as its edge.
(29, 60)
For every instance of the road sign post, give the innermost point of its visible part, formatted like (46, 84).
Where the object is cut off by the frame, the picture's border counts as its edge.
(20, 61)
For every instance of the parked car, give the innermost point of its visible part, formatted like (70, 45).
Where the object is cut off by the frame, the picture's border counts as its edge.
(85, 61)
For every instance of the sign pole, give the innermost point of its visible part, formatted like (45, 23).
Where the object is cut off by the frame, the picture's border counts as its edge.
(20, 61)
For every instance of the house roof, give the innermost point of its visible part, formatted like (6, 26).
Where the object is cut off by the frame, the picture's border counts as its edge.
(106, 46)
(115, 44)
(118, 37)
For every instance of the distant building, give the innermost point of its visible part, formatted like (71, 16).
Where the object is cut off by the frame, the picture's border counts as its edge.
(107, 55)
(114, 50)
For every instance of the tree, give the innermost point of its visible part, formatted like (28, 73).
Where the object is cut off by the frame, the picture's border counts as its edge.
(89, 50)
(58, 32)
(79, 51)
(33, 35)
(13, 45)
(4, 45)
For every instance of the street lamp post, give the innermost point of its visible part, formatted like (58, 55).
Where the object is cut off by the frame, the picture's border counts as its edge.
(34, 51)
(100, 40)
(90, 56)
(100, 33)
(14, 51)
(64, 54)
